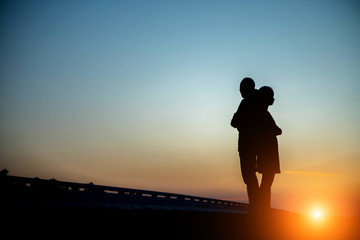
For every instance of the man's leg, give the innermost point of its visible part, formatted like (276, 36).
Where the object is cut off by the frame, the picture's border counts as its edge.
(248, 164)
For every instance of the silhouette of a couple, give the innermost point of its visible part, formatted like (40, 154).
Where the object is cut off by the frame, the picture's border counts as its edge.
(257, 144)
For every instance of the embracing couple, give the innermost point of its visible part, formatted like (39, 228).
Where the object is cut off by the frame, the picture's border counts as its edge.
(257, 144)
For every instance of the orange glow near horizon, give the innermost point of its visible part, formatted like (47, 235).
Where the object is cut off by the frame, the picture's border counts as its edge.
(318, 214)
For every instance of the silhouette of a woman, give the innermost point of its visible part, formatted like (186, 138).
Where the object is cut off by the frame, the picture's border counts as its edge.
(267, 152)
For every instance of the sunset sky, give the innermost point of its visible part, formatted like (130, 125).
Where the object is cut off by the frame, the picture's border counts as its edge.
(140, 94)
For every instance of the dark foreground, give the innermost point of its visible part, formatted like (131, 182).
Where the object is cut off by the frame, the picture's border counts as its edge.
(51, 209)
(165, 224)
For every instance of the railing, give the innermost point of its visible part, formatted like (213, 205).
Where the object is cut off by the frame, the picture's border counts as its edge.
(63, 193)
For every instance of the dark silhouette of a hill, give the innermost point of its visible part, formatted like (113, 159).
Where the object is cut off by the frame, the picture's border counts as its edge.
(52, 194)
(54, 209)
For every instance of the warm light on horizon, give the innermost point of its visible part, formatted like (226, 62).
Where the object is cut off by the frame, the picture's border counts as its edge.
(318, 214)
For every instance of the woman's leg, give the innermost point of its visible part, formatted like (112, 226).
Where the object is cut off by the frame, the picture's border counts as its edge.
(265, 191)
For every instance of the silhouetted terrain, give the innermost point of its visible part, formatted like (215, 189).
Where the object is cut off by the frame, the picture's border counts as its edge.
(25, 213)
(139, 224)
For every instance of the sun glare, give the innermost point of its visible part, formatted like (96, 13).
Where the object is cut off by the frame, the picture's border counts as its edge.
(317, 214)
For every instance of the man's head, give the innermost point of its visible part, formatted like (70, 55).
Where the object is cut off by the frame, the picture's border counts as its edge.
(247, 87)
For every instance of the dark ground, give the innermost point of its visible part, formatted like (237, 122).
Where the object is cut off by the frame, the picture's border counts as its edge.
(163, 224)
(47, 210)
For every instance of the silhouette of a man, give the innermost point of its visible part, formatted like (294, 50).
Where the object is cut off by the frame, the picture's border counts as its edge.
(244, 120)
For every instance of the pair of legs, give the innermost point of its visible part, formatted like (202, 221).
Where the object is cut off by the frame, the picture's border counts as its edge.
(264, 197)
(259, 196)
(248, 172)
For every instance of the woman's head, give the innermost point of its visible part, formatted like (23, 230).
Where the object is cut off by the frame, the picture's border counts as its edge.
(266, 95)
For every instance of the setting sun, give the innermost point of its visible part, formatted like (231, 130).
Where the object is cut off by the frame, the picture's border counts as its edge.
(317, 214)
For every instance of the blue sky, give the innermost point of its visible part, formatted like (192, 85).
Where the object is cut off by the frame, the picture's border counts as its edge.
(111, 90)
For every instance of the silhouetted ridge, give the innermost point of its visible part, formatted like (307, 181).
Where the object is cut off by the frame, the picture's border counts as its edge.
(44, 209)
(53, 193)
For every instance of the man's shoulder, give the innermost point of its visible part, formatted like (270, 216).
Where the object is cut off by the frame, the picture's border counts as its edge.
(254, 99)
(243, 104)
(246, 102)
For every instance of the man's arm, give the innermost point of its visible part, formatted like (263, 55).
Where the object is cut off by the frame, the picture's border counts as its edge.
(235, 121)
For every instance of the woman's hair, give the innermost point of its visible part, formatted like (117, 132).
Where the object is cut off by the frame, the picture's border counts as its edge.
(266, 91)
(266, 96)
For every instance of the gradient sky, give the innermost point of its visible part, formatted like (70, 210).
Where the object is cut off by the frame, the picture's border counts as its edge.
(140, 94)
